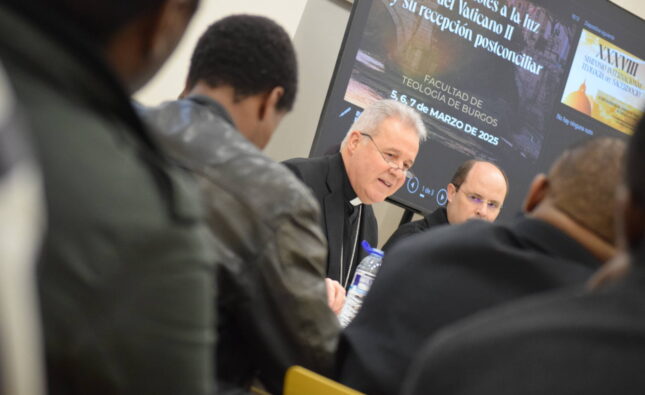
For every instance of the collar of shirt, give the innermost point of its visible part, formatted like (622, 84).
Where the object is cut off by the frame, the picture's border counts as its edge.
(348, 192)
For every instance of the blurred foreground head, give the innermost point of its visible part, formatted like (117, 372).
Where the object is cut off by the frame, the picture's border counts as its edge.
(630, 214)
(135, 37)
(579, 193)
(631, 196)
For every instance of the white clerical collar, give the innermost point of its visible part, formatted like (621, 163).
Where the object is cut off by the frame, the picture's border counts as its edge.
(356, 201)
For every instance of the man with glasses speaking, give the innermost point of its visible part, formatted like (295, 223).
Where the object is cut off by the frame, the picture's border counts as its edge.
(476, 190)
(374, 160)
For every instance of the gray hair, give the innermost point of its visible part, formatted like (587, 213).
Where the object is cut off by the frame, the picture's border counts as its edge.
(381, 110)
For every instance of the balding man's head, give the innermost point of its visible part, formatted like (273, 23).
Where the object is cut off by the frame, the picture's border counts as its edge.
(635, 165)
(630, 213)
(632, 204)
(477, 190)
(584, 181)
(579, 194)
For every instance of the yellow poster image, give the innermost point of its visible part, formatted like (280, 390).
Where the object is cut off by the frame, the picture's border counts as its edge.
(606, 83)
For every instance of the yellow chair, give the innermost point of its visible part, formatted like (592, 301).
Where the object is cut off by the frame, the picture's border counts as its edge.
(301, 381)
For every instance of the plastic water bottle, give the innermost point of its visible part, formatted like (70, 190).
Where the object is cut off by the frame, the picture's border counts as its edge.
(361, 283)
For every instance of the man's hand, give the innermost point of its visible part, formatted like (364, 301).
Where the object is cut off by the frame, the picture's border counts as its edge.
(335, 295)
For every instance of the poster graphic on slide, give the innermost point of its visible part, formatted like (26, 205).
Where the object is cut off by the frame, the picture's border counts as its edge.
(605, 83)
(483, 78)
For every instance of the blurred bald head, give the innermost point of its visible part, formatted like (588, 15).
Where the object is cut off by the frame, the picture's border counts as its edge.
(632, 204)
(583, 184)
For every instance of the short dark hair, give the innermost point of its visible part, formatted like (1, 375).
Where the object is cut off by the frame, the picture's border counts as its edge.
(462, 172)
(99, 19)
(252, 54)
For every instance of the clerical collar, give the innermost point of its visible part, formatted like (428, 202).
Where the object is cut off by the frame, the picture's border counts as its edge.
(356, 201)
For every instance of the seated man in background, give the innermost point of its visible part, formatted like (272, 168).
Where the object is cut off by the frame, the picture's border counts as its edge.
(439, 277)
(125, 274)
(569, 342)
(272, 304)
(476, 190)
(374, 160)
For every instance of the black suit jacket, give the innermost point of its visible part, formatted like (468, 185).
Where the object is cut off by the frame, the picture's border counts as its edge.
(437, 277)
(324, 176)
(558, 344)
(436, 218)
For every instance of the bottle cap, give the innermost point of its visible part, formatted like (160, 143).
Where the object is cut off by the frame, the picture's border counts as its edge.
(367, 247)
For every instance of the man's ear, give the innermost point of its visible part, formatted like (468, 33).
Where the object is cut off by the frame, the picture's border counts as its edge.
(352, 141)
(452, 191)
(537, 192)
(270, 102)
(631, 217)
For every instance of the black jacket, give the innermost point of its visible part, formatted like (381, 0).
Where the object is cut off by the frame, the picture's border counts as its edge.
(569, 342)
(435, 218)
(438, 277)
(324, 176)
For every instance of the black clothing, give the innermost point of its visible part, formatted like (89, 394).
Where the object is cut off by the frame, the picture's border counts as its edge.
(435, 218)
(438, 277)
(562, 343)
(327, 178)
(351, 225)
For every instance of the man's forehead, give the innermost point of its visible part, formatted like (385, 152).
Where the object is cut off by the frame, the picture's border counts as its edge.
(485, 178)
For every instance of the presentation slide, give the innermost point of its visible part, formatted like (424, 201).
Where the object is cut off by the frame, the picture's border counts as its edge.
(604, 83)
(514, 82)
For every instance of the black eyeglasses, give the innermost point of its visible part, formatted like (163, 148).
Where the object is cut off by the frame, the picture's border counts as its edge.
(389, 159)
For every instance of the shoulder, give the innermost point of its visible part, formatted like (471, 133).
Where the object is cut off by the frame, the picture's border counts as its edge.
(568, 335)
(527, 317)
(567, 313)
(474, 234)
(485, 344)
(413, 227)
(309, 168)
(235, 173)
(472, 250)
(193, 134)
(404, 231)
(437, 217)
(263, 185)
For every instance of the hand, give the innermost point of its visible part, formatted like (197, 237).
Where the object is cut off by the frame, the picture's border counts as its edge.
(335, 295)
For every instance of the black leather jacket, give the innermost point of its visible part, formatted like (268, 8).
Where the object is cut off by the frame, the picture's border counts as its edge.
(273, 309)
